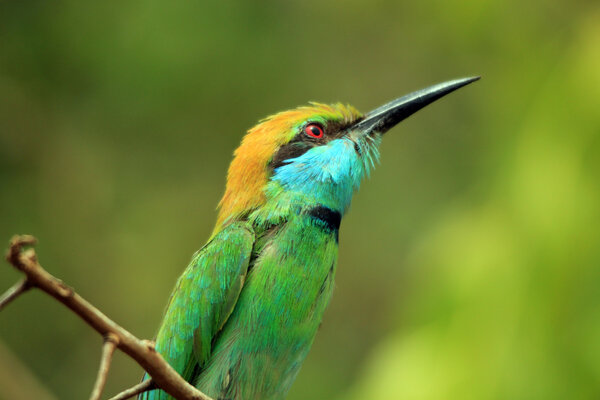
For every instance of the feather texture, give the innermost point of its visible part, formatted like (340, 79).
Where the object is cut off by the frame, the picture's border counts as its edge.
(245, 312)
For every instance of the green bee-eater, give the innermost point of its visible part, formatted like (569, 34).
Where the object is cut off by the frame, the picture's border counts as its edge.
(245, 312)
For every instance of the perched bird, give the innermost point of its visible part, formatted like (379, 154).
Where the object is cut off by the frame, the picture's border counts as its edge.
(245, 312)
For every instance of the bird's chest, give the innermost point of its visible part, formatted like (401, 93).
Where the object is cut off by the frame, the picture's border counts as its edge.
(291, 280)
(278, 312)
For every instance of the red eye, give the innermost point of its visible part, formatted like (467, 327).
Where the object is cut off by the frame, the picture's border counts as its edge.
(314, 131)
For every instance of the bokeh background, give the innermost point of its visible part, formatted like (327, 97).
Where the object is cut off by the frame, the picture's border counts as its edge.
(469, 264)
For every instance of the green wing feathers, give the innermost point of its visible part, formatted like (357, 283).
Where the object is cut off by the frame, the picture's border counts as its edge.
(203, 299)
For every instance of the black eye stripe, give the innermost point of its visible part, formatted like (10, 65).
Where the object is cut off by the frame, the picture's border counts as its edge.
(293, 149)
(302, 142)
(332, 130)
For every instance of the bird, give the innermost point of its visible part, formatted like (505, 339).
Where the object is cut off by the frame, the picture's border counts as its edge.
(244, 313)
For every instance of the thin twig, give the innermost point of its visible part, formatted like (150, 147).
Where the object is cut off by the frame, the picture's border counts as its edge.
(142, 351)
(110, 344)
(18, 289)
(144, 386)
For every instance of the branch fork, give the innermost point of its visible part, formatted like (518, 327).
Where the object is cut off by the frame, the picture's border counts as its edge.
(163, 376)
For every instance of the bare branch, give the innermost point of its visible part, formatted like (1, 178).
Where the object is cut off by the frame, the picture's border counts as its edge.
(110, 344)
(18, 289)
(142, 351)
(141, 387)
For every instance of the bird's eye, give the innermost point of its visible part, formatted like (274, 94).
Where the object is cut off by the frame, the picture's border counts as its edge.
(314, 131)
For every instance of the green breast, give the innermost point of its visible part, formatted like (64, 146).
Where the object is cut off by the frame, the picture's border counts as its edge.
(263, 344)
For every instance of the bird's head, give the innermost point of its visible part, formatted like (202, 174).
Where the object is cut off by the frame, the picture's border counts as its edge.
(312, 155)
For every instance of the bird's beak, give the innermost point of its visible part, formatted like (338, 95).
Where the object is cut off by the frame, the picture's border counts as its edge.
(387, 116)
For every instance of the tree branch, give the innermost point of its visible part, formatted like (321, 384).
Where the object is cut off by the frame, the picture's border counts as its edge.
(141, 387)
(142, 351)
(110, 344)
(19, 288)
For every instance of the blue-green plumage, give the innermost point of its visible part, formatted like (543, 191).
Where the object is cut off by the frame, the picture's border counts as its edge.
(268, 335)
(245, 312)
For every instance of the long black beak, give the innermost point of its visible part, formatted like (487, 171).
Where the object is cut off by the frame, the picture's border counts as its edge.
(385, 117)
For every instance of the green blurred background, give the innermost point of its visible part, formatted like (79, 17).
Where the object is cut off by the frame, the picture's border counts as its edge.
(470, 262)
